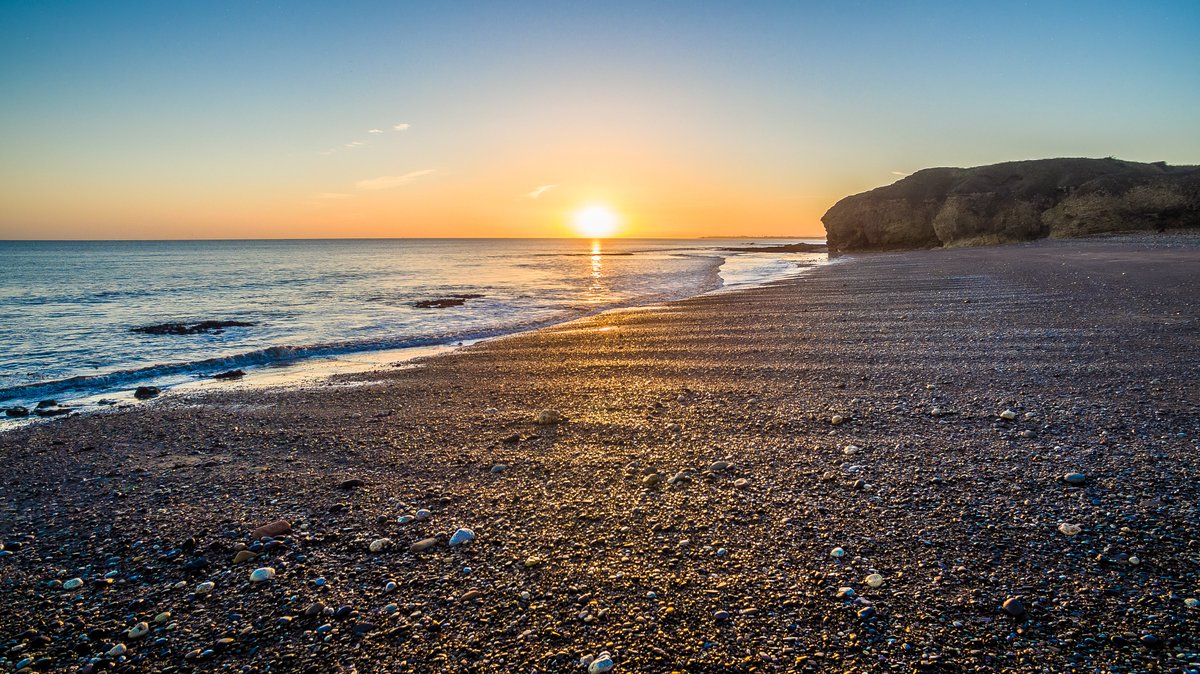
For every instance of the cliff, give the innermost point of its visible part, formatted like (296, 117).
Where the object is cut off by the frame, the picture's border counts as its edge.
(1016, 201)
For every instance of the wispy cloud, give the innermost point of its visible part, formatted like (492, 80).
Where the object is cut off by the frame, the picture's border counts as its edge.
(389, 182)
(902, 174)
(354, 143)
(331, 195)
(374, 130)
(540, 190)
(401, 126)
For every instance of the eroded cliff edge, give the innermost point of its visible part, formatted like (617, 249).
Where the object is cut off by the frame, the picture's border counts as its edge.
(1016, 201)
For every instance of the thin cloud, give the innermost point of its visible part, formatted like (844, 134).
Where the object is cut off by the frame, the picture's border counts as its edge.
(540, 190)
(354, 143)
(389, 182)
(902, 174)
(374, 130)
(401, 126)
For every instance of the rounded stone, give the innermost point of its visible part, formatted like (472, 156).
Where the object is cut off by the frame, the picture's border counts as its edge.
(874, 580)
(73, 584)
(1013, 607)
(1074, 479)
(262, 574)
(462, 536)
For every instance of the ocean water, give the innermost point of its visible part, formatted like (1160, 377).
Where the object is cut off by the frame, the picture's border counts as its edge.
(67, 308)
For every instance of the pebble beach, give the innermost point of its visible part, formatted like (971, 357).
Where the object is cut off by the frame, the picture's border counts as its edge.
(965, 460)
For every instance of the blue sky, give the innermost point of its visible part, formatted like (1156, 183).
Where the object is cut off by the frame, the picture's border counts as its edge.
(185, 119)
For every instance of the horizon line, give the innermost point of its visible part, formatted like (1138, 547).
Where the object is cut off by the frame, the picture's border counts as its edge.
(422, 238)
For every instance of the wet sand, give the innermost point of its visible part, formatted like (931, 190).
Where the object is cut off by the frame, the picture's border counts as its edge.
(1093, 345)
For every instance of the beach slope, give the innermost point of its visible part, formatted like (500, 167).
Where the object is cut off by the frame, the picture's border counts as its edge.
(728, 472)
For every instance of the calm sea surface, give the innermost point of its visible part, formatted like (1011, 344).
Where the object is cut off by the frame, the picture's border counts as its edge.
(67, 308)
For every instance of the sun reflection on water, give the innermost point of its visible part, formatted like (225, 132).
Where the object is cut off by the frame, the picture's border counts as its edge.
(597, 286)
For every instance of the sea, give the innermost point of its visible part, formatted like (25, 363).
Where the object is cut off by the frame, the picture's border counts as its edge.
(69, 309)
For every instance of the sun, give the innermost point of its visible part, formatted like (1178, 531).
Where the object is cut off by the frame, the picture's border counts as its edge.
(595, 221)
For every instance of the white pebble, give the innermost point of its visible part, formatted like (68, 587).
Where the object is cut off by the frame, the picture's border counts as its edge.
(874, 580)
(205, 587)
(462, 536)
(837, 552)
(379, 544)
(262, 575)
(73, 584)
(1008, 415)
(1069, 529)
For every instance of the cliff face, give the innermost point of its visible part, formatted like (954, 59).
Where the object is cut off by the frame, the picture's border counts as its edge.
(1016, 201)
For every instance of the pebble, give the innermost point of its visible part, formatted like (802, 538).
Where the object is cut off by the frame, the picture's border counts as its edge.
(652, 480)
(117, 651)
(874, 580)
(548, 418)
(162, 617)
(471, 595)
(1074, 479)
(602, 663)
(718, 466)
(837, 420)
(405, 519)
(243, 556)
(73, 584)
(390, 586)
(205, 587)
(423, 514)
(866, 612)
(1014, 607)
(1069, 529)
(1191, 602)
(1008, 415)
(851, 450)
(274, 529)
(936, 412)
(422, 545)
(138, 631)
(379, 544)
(262, 574)
(741, 483)
(462, 536)
(837, 552)
(499, 468)
(721, 616)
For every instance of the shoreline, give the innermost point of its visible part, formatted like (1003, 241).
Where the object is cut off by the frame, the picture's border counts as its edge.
(306, 371)
(685, 514)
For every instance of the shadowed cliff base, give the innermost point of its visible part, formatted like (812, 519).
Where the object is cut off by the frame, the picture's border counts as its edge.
(1016, 201)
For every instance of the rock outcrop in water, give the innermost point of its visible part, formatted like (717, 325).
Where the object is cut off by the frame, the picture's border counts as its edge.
(1016, 201)
(203, 327)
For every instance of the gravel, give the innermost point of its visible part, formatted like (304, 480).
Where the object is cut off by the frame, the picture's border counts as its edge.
(579, 562)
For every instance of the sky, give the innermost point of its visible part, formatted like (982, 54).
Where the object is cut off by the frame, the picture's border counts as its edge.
(181, 120)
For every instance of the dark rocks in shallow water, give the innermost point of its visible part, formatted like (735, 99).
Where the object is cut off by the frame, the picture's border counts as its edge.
(230, 374)
(51, 411)
(47, 403)
(146, 392)
(203, 327)
(443, 302)
(17, 411)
